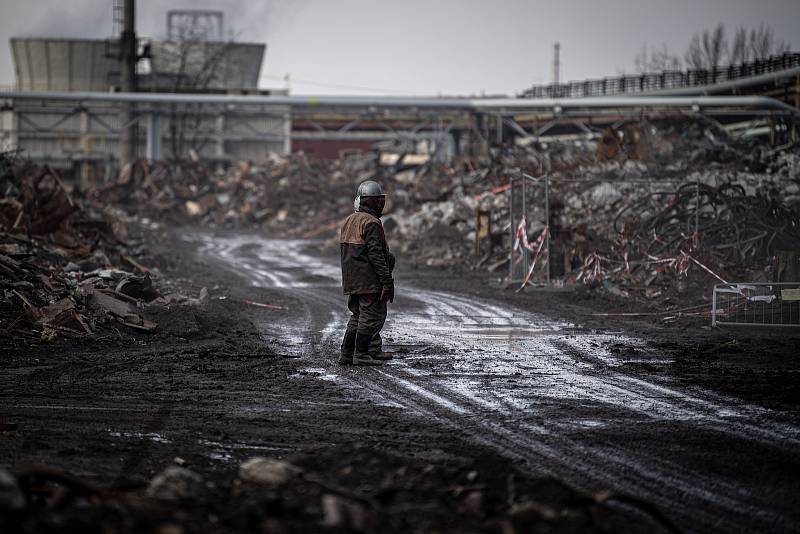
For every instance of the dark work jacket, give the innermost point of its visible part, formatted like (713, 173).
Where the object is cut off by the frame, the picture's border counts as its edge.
(366, 261)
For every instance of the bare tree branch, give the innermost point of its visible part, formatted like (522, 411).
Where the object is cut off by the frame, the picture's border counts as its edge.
(194, 64)
(740, 50)
(656, 60)
(710, 48)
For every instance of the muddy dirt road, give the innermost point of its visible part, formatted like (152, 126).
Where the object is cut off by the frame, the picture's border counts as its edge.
(474, 377)
(547, 393)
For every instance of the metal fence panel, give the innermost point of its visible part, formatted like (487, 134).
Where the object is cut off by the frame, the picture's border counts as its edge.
(756, 304)
(529, 196)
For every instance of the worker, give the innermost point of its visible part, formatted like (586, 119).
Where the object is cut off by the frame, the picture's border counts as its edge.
(367, 281)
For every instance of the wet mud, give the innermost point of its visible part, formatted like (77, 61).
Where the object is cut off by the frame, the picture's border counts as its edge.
(702, 425)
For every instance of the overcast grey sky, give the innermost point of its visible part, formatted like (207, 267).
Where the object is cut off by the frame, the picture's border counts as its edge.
(422, 46)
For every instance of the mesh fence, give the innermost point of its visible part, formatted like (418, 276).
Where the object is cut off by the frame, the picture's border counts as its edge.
(765, 304)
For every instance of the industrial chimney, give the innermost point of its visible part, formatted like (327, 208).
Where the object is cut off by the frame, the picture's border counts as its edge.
(556, 63)
(127, 56)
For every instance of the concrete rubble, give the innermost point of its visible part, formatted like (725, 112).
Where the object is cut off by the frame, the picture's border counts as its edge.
(267, 471)
(623, 210)
(327, 497)
(176, 483)
(11, 497)
(69, 268)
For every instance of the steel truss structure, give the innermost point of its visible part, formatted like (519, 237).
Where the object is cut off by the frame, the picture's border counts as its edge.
(85, 125)
(676, 82)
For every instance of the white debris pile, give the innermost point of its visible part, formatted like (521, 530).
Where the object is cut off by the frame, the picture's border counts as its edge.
(441, 233)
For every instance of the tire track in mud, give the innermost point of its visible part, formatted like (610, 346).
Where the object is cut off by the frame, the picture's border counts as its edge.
(461, 383)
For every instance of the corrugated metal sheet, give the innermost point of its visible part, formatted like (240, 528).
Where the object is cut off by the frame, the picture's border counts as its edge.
(62, 64)
(217, 65)
(44, 64)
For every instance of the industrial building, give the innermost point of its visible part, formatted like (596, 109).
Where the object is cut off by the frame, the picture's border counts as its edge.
(67, 133)
(176, 108)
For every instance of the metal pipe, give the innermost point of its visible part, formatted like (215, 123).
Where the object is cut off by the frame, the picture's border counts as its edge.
(697, 207)
(498, 105)
(714, 307)
(511, 234)
(153, 151)
(724, 87)
(547, 222)
(525, 253)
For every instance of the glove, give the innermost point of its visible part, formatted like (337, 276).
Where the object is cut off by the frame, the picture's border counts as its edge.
(387, 293)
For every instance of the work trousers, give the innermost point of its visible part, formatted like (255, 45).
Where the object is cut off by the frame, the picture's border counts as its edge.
(368, 315)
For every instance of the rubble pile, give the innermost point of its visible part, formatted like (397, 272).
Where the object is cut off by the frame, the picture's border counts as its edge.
(307, 495)
(732, 227)
(431, 215)
(679, 192)
(635, 213)
(719, 231)
(67, 268)
(600, 191)
(278, 194)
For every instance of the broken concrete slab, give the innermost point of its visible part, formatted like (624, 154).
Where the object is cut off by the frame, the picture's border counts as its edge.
(176, 484)
(124, 312)
(11, 497)
(140, 288)
(267, 471)
(107, 304)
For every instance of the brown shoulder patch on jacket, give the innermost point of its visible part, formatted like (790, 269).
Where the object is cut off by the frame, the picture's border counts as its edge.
(353, 228)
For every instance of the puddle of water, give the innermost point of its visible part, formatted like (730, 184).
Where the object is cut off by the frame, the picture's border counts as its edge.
(591, 423)
(285, 339)
(421, 391)
(241, 446)
(152, 436)
(514, 329)
(522, 360)
(317, 372)
(654, 361)
(271, 262)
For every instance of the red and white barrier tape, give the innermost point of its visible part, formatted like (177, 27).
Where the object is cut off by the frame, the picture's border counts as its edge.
(592, 267)
(709, 271)
(495, 191)
(535, 249)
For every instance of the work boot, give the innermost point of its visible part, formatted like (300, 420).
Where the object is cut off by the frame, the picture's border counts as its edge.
(382, 356)
(348, 347)
(376, 349)
(363, 358)
(345, 357)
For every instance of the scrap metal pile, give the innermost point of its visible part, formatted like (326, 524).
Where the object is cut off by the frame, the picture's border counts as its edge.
(662, 233)
(717, 231)
(67, 268)
(726, 225)
(653, 213)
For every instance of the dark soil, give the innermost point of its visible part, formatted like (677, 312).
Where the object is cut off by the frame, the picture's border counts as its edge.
(757, 364)
(218, 384)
